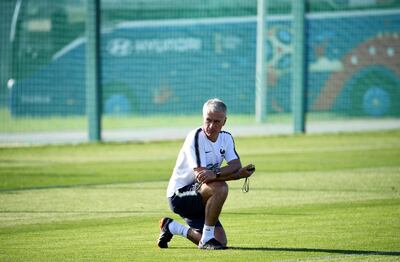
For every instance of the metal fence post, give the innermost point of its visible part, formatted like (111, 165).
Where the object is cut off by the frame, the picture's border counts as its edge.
(93, 70)
(299, 66)
(261, 81)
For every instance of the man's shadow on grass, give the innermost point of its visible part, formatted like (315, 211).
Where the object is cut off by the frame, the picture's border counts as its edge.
(319, 250)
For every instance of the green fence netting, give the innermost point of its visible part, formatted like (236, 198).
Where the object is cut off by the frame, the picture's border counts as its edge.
(161, 60)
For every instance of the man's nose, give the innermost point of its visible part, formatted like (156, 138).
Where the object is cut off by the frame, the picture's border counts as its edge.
(212, 125)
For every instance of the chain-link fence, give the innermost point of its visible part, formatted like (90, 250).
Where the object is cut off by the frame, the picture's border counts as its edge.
(161, 59)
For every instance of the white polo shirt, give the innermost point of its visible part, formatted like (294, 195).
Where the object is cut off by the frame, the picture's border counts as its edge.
(199, 151)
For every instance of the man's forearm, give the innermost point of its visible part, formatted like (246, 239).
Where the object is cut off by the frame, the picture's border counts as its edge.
(229, 176)
(230, 171)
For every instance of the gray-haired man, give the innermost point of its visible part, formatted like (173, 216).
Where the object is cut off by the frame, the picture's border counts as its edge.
(197, 189)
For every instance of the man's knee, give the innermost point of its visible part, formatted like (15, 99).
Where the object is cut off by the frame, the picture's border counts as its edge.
(220, 187)
(220, 235)
(214, 188)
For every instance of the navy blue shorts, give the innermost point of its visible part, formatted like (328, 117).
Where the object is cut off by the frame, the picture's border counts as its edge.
(188, 203)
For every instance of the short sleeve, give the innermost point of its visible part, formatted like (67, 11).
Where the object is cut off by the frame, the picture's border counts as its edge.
(194, 150)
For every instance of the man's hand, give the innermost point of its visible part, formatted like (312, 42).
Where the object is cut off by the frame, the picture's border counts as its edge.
(246, 171)
(205, 176)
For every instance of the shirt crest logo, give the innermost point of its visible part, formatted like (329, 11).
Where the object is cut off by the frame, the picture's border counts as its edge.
(222, 152)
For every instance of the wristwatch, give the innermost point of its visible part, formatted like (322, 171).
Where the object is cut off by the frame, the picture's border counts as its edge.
(217, 172)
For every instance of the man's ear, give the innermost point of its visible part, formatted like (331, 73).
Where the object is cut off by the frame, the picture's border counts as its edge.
(225, 120)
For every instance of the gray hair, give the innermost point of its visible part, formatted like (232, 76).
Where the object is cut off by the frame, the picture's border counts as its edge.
(214, 105)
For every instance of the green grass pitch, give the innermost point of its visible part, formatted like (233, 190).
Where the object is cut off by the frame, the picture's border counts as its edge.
(312, 198)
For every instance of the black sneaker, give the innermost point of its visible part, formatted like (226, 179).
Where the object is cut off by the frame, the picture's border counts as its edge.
(165, 234)
(211, 244)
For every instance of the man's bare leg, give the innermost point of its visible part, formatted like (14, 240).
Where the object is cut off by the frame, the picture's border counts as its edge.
(214, 195)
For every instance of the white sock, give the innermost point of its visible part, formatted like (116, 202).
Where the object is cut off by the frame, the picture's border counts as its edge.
(208, 233)
(178, 229)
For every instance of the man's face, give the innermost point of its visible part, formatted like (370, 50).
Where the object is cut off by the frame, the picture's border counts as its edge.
(213, 123)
